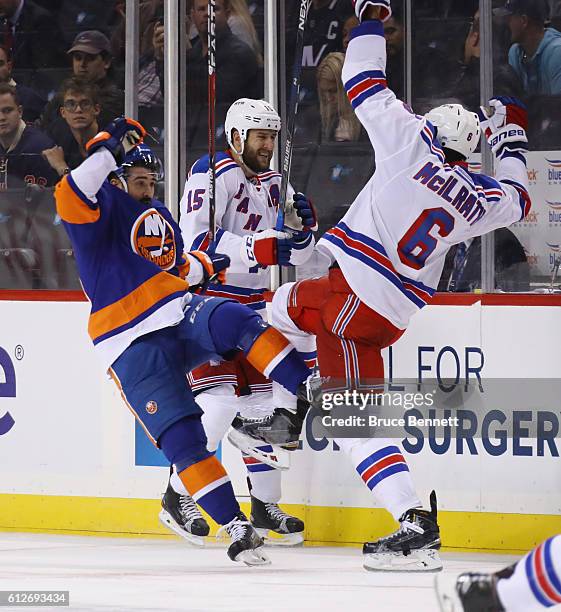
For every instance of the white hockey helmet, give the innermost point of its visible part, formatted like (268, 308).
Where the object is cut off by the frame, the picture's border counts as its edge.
(458, 128)
(246, 114)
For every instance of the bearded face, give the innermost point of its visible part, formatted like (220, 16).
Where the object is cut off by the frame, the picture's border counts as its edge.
(258, 149)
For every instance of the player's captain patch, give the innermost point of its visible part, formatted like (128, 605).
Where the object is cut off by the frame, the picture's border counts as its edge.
(152, 237)
(151, 407)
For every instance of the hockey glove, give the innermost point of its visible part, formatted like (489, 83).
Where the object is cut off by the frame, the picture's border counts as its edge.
(296, 249)
(119, 137)
(504, 124)
(300, 214)
(361, 6)
(204, 266)
(261, 248)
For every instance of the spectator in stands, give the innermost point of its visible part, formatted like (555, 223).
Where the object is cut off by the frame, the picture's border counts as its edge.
(237, 67)
(432, 69)
(21, 146)
(324, 29)
(536, 51)
(32, 103)
(350, 23)
(91, 62)
(32, 35)
(462, 268)
(242, 26)
(338, 120)
(80, 111)
(466, 88)
(75, 16)
(149, 92)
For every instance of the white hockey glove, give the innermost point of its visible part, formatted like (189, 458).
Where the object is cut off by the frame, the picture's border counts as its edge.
(361, 5)
(504, 124)
(261, 248)
(300, 214)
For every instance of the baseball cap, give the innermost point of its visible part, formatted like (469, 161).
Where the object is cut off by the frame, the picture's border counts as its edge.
(92, 42)
(535, 9)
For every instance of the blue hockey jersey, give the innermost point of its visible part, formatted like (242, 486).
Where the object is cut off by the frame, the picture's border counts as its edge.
(130, 260)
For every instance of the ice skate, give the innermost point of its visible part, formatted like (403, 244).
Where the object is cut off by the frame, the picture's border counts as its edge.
(267, 517)
(284, 426)
(412, 548)
(246, 543)
(275, 456)
(181, 514)
(467, 592)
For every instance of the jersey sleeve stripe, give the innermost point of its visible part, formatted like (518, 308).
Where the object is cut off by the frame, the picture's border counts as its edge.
(72, 205)
(365, 85)
(428, 136)
(369, 28)
(523, 197)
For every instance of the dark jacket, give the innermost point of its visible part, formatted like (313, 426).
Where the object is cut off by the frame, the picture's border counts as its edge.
(26, 163)
(38, 45)
(32, 102)
(512, 272)
(237, 71)
(466, 87)
(63, 137)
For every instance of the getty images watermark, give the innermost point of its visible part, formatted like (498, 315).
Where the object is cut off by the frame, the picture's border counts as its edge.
(362, 400)
(492, 409)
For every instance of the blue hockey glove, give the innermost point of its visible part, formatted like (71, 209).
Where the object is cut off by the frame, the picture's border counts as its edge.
(296, 249)
(300, 214)
(119, 137)
(212, 267)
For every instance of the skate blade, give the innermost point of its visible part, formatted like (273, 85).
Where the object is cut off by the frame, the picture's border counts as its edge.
(427, 560)
(272, 538)
(446, 594)
(279, 458)
(253, 557)
(167, 521)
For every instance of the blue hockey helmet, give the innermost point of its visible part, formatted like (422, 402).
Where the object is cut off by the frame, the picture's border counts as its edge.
(141, 156)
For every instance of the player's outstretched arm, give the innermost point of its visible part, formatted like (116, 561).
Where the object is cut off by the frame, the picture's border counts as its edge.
(504, 123)
(391, 126)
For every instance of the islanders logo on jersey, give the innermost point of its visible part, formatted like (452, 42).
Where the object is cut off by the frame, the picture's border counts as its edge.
(152, 237)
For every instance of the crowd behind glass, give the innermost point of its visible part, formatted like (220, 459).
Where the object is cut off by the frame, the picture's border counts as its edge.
(62, 79)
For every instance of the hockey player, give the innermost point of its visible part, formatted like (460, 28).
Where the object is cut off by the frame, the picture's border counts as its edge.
(247, 198)
(387, 255)
(149, 330)
(531, 585)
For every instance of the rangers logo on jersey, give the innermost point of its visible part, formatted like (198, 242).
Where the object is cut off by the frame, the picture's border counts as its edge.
(152, 237)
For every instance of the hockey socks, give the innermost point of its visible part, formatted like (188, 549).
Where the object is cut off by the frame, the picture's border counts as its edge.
(276, 358)
(383, 469)
(535, 583)
(264, 480)
(209, 485)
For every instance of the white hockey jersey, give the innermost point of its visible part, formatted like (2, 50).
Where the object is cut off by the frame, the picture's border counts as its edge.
(243, 206)
(392, 243)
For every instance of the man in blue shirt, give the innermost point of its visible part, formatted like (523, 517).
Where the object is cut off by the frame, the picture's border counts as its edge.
(536, 53)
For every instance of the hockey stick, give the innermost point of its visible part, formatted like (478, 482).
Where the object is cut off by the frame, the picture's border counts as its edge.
(293, 110)
(211, 25)
(211, 123)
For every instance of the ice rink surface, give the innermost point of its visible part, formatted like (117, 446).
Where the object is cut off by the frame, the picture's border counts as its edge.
(121, 574)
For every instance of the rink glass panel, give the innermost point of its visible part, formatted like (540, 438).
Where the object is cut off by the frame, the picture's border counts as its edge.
(540, 232)
(35, 252)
